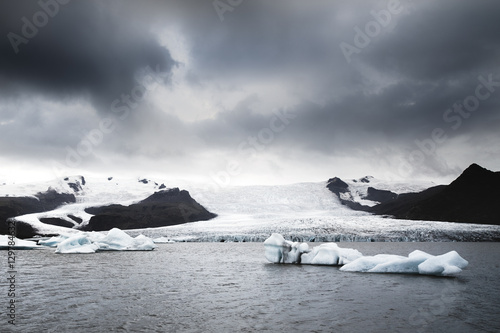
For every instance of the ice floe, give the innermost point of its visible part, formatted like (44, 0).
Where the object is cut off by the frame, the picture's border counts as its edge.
(279, 250)
(53, 241)
(118, 240)
(90, 242)
(417, 262)
(11, 242)
(77, 244)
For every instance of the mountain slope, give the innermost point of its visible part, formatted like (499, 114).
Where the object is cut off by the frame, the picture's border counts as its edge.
(163, 208)
(15, 206)
(115, 202)
(472, 198)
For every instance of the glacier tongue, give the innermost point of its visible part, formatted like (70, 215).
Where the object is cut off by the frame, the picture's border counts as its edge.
(303, 212)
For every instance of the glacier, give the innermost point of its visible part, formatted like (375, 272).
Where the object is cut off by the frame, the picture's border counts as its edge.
(281, 251)
(302, 212)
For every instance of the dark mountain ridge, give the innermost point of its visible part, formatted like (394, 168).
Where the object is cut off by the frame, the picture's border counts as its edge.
(15, 206)
(471, 198)
(163, 208)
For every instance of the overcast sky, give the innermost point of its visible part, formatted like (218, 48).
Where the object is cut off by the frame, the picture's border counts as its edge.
(249, 91)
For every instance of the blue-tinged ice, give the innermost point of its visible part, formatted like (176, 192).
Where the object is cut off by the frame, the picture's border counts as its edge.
(114, 240)
(53, 241)
(77, 244)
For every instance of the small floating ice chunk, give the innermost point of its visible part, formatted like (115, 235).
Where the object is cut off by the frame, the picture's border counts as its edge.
(163, 240)
(16, 243)
(144, 243)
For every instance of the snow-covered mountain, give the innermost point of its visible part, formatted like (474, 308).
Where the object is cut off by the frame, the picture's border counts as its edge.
(303, 211)
(471, 198)
(358, 190)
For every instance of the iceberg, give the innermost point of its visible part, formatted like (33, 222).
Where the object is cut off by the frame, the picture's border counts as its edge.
(77, 244)
(118, 240)
(115, 240)
(448, 264)
(53, 241)
(417, 262)
(330, 254)
(7, 242)
(278, 250)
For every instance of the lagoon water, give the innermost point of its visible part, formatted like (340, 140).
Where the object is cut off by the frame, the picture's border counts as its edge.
(230, 287)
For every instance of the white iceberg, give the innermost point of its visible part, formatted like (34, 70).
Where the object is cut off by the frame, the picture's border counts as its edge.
(417, 262)
(115, 240)
(448, 264)
(330, 254)
(7, 242)
(278, 250)
(118, 240)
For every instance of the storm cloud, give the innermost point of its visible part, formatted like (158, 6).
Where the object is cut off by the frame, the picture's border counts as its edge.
(188, 88)
(86, 49)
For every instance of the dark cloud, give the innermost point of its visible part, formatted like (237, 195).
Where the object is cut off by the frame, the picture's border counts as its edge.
(231, 77)
(88, 48)
(440, 41)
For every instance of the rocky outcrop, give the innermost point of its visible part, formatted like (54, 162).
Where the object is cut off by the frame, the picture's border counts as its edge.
(380, 195)
(57, 221)
(407, 204)
(337, 186)
(163, 208)
(76, 184)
